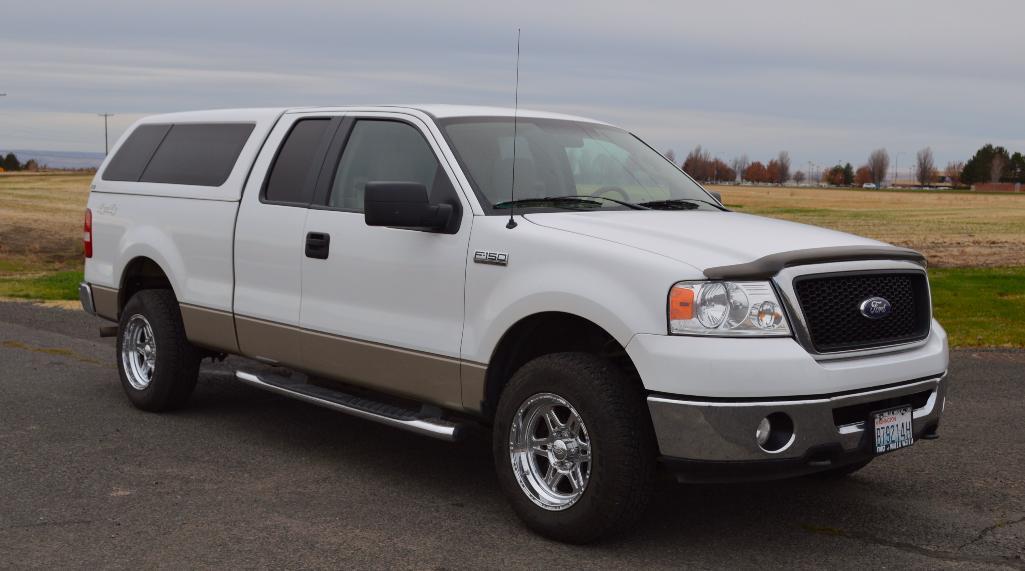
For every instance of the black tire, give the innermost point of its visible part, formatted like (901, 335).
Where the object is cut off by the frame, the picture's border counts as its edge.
(176, 367)
(841, 471)
(622, 444)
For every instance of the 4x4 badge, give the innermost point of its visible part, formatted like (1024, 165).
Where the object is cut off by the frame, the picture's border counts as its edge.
(493, 258)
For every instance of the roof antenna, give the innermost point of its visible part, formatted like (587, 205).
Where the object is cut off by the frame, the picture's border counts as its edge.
(516, 111)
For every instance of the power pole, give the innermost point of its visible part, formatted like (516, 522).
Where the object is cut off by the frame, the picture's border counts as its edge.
(106, 140)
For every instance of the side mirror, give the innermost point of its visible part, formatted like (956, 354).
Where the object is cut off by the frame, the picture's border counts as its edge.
(716, 195)
(403, 204)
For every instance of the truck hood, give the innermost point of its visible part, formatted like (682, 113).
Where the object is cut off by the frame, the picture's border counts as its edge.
(702, 239)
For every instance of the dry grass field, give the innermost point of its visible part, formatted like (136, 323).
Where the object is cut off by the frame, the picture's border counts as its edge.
(953, 229)
(41, 222)
(975, 243)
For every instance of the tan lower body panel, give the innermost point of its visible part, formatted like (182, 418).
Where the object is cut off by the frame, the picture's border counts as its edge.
(210, 328)
(412, 374)
(105, 302)
(472, 376)
(268, 341)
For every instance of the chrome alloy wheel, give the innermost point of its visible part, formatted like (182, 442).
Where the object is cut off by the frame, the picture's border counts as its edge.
(550, 451)
(139, 352)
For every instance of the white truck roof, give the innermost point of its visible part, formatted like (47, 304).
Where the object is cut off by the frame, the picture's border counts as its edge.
(440, 111)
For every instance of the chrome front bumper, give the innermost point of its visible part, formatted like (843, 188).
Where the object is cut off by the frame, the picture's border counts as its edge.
(724, 431)
(85, 295)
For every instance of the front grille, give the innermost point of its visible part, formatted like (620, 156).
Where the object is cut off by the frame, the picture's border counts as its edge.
(831, 305)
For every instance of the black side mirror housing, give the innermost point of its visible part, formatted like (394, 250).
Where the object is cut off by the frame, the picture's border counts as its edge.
(403, 205)
(716, 195)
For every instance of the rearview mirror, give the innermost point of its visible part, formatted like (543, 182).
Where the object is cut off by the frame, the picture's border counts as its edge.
(403, 204)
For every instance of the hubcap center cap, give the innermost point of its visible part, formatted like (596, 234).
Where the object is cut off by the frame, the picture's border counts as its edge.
(563, 454)
(560, 450)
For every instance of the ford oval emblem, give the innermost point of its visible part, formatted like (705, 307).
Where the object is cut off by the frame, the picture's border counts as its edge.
(876, 308)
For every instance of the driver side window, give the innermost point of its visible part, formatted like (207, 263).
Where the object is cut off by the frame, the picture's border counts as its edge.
(383, 151)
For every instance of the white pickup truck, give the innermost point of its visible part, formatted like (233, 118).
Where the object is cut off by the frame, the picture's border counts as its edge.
(549, 276)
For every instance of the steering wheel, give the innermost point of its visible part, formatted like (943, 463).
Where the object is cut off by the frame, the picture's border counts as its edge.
(615, 189)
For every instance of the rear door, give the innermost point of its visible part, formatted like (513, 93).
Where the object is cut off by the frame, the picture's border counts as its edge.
(384, 306)
(269, 237)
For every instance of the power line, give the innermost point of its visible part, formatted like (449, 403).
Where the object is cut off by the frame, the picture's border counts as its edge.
(106, 141)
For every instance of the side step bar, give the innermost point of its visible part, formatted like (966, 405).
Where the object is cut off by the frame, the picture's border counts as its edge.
(383, 413)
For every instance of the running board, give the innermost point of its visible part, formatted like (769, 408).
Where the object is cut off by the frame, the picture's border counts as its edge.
(384, 413)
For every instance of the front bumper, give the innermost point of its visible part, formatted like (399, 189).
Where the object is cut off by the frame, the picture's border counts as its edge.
(714, 439)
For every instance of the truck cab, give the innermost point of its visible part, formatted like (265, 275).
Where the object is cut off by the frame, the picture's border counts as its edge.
(549, 277)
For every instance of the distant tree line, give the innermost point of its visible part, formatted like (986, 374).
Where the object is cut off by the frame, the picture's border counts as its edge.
(702, 166)
(989, 164)
(10, 163)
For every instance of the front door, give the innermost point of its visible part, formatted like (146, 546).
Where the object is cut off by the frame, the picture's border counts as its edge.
(383, 307)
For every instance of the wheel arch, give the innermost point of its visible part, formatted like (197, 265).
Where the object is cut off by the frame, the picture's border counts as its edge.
(545, 333)
(140, 273)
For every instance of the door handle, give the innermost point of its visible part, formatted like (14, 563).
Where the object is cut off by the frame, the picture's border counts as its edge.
(318, 245)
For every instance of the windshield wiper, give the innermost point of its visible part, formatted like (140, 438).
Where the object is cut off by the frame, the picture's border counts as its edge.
(548, 201)
(630, 205)
(566, 200)
(678, 204)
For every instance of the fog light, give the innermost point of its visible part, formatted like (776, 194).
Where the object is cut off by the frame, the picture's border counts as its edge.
(775, 433)
(762, 432)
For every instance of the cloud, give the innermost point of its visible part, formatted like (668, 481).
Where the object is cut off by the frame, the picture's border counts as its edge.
(823, 80)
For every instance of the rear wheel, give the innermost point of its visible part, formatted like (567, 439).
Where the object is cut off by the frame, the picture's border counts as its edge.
(157, 364)
(574, 448)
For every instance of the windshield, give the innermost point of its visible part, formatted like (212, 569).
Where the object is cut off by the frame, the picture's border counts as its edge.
(556, 158)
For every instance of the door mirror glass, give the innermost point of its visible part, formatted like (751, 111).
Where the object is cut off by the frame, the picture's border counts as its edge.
(404, 205)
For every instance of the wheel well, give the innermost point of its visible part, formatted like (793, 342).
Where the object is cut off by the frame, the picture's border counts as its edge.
(140, 274)
(543, 334)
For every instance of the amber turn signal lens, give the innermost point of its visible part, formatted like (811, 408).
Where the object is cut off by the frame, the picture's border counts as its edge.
(681, 304)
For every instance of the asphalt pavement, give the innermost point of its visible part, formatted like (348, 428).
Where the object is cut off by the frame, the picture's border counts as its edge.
(242, 478)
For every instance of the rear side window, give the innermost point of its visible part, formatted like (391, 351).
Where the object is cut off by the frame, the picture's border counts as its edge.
(191, 154)
(133, 156)
(291, 176)
(196, 154)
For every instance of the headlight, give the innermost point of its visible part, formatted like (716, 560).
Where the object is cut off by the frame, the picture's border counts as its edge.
(726, 308)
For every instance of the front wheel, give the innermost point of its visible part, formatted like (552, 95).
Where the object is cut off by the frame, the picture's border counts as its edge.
(574, 448)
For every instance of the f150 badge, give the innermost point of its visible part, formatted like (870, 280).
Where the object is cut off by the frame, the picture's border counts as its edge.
(493, 258)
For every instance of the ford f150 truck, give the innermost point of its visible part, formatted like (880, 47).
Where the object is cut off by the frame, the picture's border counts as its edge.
(551, 277)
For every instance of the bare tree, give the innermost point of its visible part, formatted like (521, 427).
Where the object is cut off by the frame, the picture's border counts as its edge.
(799, 177)
(996, 167)
(953, 172)
(784, 166)
(670, 155)
(740, 165)
(878, 162)
(925, 168)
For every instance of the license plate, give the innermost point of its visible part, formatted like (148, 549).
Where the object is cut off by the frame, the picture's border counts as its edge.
(893, 429)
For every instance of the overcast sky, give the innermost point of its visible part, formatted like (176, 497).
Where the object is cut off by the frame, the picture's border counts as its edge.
(826, 81)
